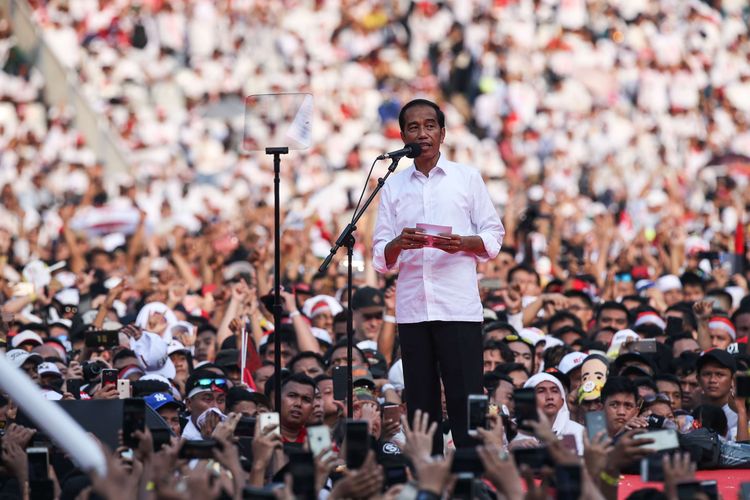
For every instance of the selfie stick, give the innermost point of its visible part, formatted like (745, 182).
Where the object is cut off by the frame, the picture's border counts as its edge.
(51, 419)
(347, 239)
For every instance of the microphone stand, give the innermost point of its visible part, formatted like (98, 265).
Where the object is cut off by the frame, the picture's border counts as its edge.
(346, 238)
(277, 308)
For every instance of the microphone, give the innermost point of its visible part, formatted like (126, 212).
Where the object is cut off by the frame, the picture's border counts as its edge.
(411, 150)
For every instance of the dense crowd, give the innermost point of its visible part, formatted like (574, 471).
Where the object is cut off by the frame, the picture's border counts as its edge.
(611, 136)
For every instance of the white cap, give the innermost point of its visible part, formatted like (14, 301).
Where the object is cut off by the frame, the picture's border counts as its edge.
(668, 282)
(176, 346)
(321, 335)
(551, 342)
(620, 338)
(47, 368)
(68, 297)
(368, 344)
(531, 335)
(331, 302)
(571, 361)
(26, 336)
(18, 357)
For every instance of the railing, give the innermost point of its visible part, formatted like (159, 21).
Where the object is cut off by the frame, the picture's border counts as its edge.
(62, 86)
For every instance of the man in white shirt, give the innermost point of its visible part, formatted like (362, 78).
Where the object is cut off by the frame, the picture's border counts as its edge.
(438, 309)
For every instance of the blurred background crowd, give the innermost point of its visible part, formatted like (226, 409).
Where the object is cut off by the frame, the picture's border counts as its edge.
(613, 137)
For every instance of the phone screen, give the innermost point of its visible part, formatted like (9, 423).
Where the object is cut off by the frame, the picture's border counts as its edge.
(568, 481)
(245, 427)
(340, 383)
(38, 460)
(133, 419)
(200, 449)
(357, 443)
(525, 402)
(595, 423)
(534, 458)
(102, 338)
(303, 474)
(109, 376)
(477, 408)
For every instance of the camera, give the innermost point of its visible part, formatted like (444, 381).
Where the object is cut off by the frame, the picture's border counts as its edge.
(92, 370)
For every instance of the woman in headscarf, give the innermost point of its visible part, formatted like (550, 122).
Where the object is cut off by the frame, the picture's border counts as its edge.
(550, 400)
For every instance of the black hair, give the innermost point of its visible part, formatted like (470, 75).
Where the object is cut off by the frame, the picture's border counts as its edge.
(580, 295)
(689, 278)
(237, 394)
(320, 378)
(299, 378)
(565, 315)
(142, 388)
(124, 353)
(619, 385)
(420, 102)
(499, 325)
(555, 354)
(505, 352)
(271, 383)
(635, 298)
(338, 345)
(739, 312)
(567, 329)
(668, 377)
(304, 355)
(711, 417)
(648, 330)
(685, 309)
(508, 368)
(646, 382)
(610, 304)
(723, 294)
(524, 268)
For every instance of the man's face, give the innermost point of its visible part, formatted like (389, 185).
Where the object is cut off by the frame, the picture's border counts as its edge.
(690, 390)
(317, 415)
(172, 417)
(549, 399)
(308, 366)
(338, 358)
(613, 318)
(323, 320)
(742, 324)
(716, 381)
(604, 336)
(247, 408)
(671, 297)
(503, 395)
(330, 409)
(672, 391)
(662, 410)
(720, 338)
(522, 354)
(526, 283)
(421, 126)
(286, 353)
(181, 367)
(205, 400)
(519, 377)
(492, 359)
(683, 345)
(205, 346)
(692, 293)
(367, 323)
(297, 402)
(618, 409)
(261, 375)
(581, 309)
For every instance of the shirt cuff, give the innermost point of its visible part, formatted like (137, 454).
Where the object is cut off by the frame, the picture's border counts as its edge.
(491, 247)
(378, 259)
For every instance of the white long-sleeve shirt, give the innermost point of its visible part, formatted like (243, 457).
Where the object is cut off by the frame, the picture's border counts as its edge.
(434, 285)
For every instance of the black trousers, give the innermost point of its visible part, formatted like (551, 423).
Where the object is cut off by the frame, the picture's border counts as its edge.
(451, 350)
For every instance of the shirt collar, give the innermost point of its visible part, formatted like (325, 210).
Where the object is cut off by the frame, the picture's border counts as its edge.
(440, 166)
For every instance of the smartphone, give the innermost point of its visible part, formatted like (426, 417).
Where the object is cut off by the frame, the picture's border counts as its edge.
(534, 458)
(710, 488)
(133, 419)
(568, 482)
(318, 438)
(596, 422)
(664, 439)
(160, 438)
(41, 489)
(302, 468)
(688, 490)
(745, 491)
(357, 443)
(102, 338)
(73, 386)
(395, 474)
(643, 346)
(525, 402)
(674, 326)
(200, 449)
(743, 386)
(391, 413)
(123, 388)
(652, 469)
(340, 383)
(38, 460)
(255, 493)
(569, 442)
(245, 427)
(270, 418)
(109, 376)
(464, 488)
(467, 461)
(477, 405)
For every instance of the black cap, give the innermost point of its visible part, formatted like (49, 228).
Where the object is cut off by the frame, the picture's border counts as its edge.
(228, 358)
(368, 297)
(719, 356)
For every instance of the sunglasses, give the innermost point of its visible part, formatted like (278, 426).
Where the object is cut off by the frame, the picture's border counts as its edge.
(208, 382)
(375, 315)
(658, 398)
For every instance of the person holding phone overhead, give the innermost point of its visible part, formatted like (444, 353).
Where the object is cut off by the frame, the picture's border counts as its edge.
(435, 221)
